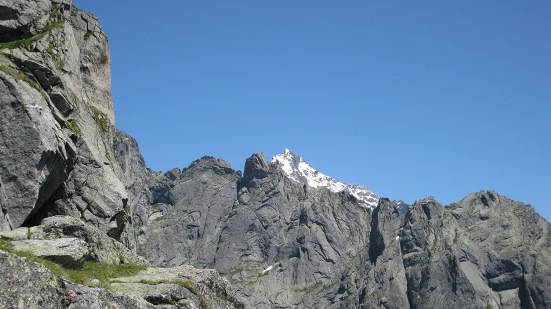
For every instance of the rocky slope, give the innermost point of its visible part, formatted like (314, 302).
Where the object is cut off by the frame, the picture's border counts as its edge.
(80, 254)
(75, 193)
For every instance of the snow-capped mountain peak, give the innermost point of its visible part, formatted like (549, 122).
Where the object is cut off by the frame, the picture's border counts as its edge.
(297, 169)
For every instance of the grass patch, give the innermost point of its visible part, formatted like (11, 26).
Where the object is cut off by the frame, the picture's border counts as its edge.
(25, 43)
(5, 245)
(100, 118)
(373, 294)
(188, 285)
(55, 11)
(456, 237)
(90, 270)
(72, 125)
(55, 20)
(58, 60)
(102, 272)
(18, 74)
(108, 156)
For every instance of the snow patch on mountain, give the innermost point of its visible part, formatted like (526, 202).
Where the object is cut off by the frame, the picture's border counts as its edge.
(297, 169)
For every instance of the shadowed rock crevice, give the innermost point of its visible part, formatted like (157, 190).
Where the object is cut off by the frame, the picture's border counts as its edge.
(58, 169)
(376, 242)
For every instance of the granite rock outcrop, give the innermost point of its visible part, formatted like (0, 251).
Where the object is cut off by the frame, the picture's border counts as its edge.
(56, 120)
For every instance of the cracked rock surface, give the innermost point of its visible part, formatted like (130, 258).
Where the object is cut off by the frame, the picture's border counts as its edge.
(282, 244)
(56, 119)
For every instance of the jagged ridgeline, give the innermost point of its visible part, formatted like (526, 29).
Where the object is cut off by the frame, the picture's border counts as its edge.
(85, 224)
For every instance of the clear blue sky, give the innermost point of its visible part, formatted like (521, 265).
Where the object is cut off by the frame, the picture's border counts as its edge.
(409, 98)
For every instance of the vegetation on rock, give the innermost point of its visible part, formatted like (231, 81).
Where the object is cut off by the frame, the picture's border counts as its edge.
(101, 118)
(91, 270)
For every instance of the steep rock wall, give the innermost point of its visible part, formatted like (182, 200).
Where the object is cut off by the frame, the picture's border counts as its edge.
(56, 119)
(282, 244)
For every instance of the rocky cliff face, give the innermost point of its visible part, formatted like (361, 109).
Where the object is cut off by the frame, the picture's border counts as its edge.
(56, 120)
(75, 191)
(282, 243)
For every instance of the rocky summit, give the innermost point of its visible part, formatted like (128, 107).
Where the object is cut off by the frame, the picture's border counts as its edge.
(296, 168)
(85, 223)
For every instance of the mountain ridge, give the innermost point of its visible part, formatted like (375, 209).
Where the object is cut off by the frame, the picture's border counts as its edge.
(395, 245)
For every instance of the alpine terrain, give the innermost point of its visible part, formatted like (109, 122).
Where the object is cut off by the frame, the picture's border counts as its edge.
(85, 223)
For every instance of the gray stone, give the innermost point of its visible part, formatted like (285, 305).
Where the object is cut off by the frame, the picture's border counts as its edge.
(282, 244)
(196, 288)
(265, 232)
(517, 241)
(102, 248)
(98, 298)
(158, 293)
(22, 19)
(442, 269)
(387, 283)
(37, 156)
(17, 234)
(199, 199)
(26, 284)
(69, 252)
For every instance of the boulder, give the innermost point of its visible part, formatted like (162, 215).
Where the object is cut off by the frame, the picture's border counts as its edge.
(101, 248)
(68, 252)
(17, 234)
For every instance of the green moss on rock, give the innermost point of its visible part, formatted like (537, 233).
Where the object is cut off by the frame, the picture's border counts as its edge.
(100, 118)
(73, 126)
